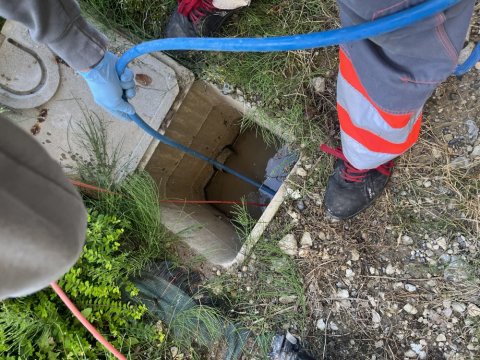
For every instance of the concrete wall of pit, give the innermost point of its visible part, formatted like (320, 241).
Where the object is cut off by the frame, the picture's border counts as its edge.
(208, 122)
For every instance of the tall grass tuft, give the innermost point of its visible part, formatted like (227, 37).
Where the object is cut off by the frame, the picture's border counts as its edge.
(133, 197)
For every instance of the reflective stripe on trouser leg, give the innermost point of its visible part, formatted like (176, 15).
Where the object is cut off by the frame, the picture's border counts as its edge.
(384, 81)
(370, 136)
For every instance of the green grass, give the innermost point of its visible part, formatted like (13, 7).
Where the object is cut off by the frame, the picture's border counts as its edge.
(133, 198)
(279, 81)
(101, 167)
(137, 19)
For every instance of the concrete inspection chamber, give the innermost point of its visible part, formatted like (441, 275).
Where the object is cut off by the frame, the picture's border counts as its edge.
(47, 98)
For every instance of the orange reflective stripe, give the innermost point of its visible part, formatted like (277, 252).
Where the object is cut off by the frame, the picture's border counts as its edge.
(350, 74)
(374, 142)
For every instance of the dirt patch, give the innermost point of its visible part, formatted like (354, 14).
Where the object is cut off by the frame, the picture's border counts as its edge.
(401, 280)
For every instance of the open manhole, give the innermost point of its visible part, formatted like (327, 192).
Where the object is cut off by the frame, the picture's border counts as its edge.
(209, 122)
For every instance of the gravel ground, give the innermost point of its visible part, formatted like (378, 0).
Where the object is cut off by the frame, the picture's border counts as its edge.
(401, 280)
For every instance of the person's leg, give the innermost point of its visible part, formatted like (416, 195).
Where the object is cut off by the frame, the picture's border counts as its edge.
(193, 18)
(382, 86)
(42, 217)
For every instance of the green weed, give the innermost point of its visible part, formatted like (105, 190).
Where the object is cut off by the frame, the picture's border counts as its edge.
(102, 167)
(142, 19)
(133, 197)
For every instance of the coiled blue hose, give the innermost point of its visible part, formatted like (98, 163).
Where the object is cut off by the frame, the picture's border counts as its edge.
(286, 43)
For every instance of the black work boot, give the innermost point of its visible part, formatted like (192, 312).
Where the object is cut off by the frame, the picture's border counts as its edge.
(350, 190)
(196, 18)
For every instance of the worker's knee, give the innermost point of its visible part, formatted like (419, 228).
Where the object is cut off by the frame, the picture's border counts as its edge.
(42, 217)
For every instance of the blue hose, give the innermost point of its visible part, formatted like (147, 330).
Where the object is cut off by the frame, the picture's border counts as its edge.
(286, 43)
(294, 42)
(167, 141)
(469, 63)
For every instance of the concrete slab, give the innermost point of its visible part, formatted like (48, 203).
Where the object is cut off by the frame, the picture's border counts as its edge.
(29, 74)
(69, 103)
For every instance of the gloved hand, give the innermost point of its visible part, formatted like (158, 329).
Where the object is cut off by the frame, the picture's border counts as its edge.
(107, 88)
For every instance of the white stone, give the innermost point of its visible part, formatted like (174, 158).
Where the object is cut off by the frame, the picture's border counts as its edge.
(343, 294)
(287, 299)
(418, 349)
(447, 312)
(476, 151)
(306, 239)
(410, 354)
(410, 287)
(322, 236)
(318, 84)
(303, 252)
(390, 270)
(230, 4)
(349, 273)
(407, 240)
(442, 242)
(441, 338)
(398, 285)
(473, 310)
(288, 245)
(301, 172)
(466, 52)
(355, 255)
(292, 214)
(379, 344)
(294, 194)
(333, 326)
(427, 183)
(376, 317)
(321, 324)
(459, 307)
(409, 308)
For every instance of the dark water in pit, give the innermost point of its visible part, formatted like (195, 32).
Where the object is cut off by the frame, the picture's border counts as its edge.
(249, 155)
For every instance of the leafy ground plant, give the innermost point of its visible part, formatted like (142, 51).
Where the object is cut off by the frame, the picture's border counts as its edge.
(40, 327)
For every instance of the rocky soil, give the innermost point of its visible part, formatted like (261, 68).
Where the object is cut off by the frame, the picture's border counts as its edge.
(400, 281)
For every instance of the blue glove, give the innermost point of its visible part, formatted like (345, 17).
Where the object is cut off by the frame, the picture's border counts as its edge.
(108, 89)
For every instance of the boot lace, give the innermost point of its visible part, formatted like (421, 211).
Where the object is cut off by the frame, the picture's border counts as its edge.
(350, 172)
(195, 10)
